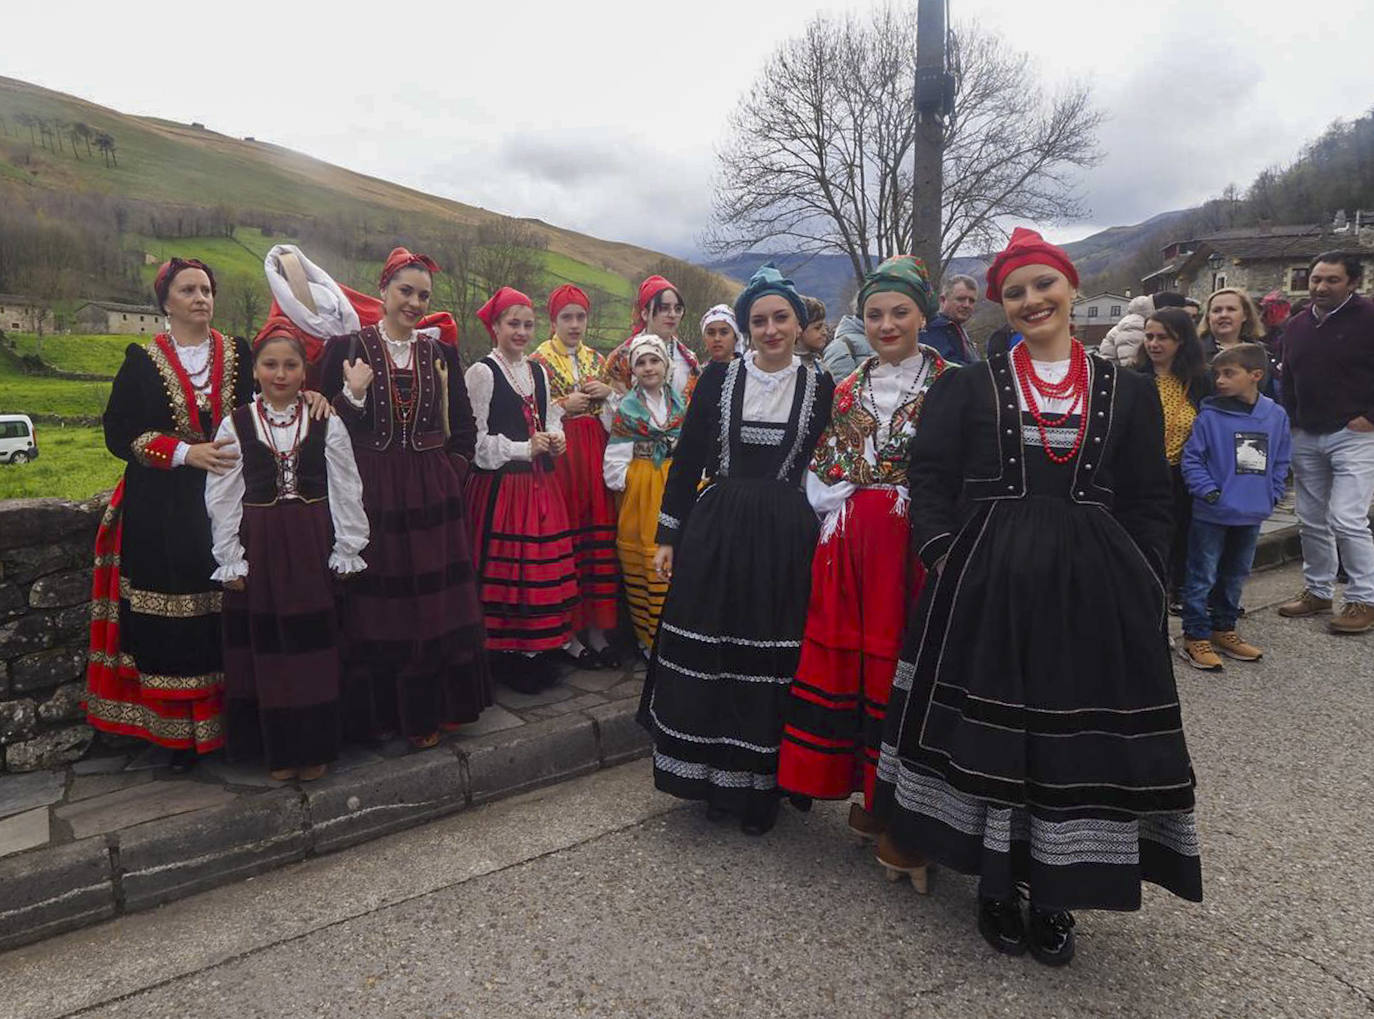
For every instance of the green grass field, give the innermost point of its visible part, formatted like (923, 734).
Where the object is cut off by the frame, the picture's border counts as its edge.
(72, 463)
(33, 394)
(90, 355)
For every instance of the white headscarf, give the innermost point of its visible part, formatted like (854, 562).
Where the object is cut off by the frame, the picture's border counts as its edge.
(724, 313)
(334, 314)
(648, 343)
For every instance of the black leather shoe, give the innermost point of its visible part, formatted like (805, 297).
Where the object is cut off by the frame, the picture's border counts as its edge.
(1001, 924)
(800, 802)
(182, 761)
(1051, 936)
(608, 657)
(760, 816)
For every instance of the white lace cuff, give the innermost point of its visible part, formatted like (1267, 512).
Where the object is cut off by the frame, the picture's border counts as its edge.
(230, 571)
(344, 564)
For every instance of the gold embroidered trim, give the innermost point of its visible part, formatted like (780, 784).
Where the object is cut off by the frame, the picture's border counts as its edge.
(102, 561)
(154, 681)
(170, 606)
(206, 730)
(103, 610)
(176, 399)
(123, 660)
(228, 378)
(149, 458)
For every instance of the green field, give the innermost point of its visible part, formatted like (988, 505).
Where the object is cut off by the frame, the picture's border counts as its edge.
(72, 463)
(33, 394)
(89, 355)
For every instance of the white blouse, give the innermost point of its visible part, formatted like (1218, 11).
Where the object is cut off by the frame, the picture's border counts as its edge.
(495, 451)
(193, 362)
(1050, 371)
(619, 454)
(768, 396)
(224, 495)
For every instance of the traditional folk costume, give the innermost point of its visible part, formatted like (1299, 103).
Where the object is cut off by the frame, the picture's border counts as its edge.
(1034, 733)
(644, 433)
(516, 511)
(155, 662)
(864, 577)
(286, 517)
(730, 633)
(724, 313)
(685, 369)
(591, 509)
(412, 620)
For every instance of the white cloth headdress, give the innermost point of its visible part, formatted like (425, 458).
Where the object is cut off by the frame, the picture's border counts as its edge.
(724, 313)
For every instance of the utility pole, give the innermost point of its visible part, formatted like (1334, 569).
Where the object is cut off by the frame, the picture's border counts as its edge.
(934, 102)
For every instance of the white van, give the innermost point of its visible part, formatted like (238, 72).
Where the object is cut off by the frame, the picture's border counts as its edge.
(17, 444)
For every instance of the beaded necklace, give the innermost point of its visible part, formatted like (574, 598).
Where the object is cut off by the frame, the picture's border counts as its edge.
(531, 407)
(1073, 387)
(286, 461)
(866, 388)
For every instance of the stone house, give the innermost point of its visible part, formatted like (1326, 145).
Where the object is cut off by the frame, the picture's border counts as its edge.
(1093, 317)
(1259, 259)
(112, 317)
(19, 314)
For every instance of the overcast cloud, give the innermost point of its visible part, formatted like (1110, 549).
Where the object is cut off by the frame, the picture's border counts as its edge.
(603, 117)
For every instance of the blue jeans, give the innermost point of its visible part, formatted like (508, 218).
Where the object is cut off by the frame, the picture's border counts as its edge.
(1219, 560)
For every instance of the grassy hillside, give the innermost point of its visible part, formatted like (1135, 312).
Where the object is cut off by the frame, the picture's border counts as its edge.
(89, 355)
(158, 160)
(72, 463)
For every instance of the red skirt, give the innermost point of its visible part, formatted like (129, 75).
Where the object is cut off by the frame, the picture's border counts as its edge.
(592, 520)
(527, 576)
(854, 623)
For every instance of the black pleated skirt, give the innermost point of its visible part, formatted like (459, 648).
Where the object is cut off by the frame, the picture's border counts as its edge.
(728, 642)
(1034, 733)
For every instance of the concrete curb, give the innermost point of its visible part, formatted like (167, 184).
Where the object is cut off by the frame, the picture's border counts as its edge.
(46, 892)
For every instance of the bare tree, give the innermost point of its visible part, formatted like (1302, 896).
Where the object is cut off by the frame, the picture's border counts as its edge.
(30, 121)
(819, 153)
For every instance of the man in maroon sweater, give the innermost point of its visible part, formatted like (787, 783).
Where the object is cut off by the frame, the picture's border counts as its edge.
(1328, 391)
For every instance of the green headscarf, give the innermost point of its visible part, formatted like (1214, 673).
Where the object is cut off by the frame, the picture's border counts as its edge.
(903, 274)
(767, 280)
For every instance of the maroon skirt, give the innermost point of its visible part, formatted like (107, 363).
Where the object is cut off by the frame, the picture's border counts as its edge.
(412, 620)
(528, 575)
(592, 519)
(281, 640)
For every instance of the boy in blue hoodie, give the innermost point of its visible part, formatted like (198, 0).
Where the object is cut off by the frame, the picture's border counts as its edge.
(1234, 464)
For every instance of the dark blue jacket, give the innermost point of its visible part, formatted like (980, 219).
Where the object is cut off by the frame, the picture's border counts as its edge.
(949, 339)
(1240, 452)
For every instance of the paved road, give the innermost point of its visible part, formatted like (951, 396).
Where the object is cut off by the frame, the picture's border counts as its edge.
(602, 898)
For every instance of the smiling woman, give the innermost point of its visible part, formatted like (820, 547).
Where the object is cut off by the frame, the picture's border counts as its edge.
(1034, 735)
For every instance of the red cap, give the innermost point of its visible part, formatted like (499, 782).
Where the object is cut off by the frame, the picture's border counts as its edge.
(1026, 247)
(401, 258)
(565, 295)
(491, 312)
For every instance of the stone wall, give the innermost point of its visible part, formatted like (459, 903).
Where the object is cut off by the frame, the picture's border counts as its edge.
(45, 589)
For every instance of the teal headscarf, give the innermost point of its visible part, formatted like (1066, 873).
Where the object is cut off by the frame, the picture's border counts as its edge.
(903, 274)
(768, 280)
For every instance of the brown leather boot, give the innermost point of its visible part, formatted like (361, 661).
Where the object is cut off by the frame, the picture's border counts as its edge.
(897, 864)
(1229, 643)
(1355, 617)
(864, 824)
(1305, 604)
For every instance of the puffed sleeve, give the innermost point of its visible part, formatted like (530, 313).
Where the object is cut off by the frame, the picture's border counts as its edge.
(491, 452)
(616, 463)
(224, 504)
(694, 448)
(936, 471)
(345, 500)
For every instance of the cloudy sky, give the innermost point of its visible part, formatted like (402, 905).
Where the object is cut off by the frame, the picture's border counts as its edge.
(603, 116)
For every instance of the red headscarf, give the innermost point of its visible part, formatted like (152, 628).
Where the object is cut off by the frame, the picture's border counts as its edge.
(167, 272)
(565, 295)
(401, 258)
(278, 325)
(505, 298)
(648, 290)
(1026, 247)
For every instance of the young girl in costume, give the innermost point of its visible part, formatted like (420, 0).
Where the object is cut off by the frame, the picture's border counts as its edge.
(283, 517)
(155, 658)
(573, 371)
(730, 633)
(658, 310)
(1034, 736)
(644, 433)
(516, 510)
(863, 577)
(413, 621)
(720, 335)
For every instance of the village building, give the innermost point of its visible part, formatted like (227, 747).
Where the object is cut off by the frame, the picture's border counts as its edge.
(1094, 316)
(113, 317)
(20, 314)
(1259, 259)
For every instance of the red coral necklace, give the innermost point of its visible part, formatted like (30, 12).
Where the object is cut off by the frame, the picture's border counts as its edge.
(1073, 387)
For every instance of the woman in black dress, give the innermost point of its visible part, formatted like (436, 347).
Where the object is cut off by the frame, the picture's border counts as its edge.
(738, 554)
(1034, 735)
